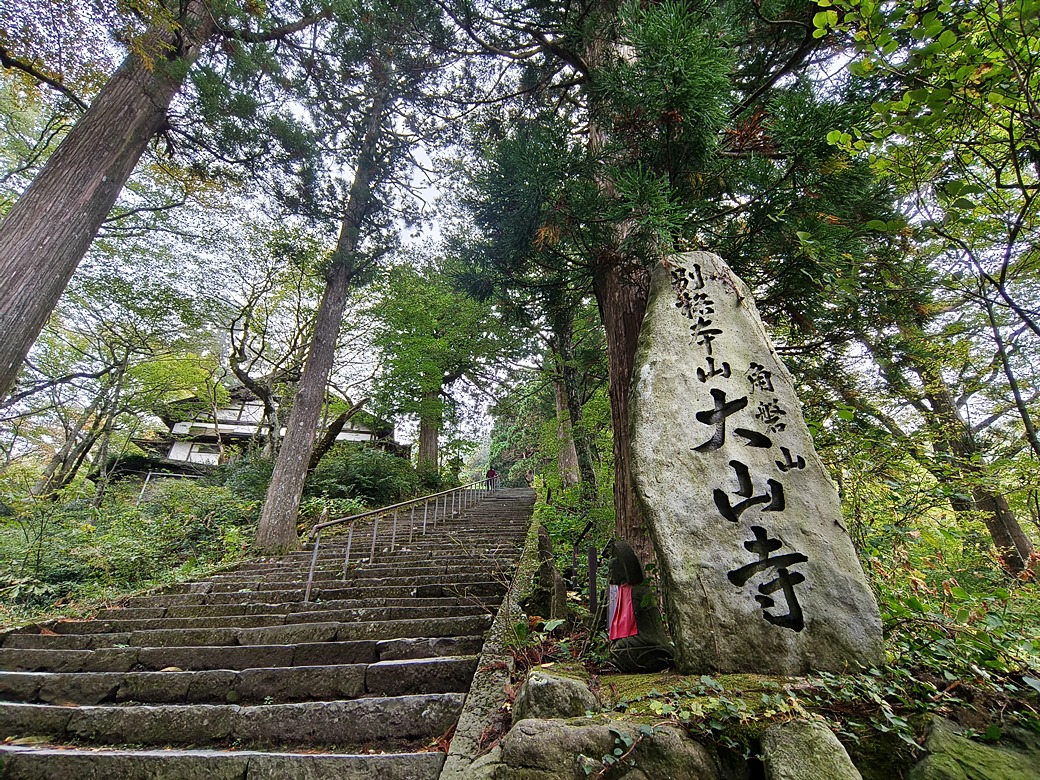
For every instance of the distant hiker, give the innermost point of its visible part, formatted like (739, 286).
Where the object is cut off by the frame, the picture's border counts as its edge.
(492, 478)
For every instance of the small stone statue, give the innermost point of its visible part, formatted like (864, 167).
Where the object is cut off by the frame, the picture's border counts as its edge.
(638, 640)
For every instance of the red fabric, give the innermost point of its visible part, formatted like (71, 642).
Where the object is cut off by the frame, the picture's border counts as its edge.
(624, 622)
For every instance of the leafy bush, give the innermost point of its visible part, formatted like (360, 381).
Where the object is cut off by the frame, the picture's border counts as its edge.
(54, 551)
(246, 477)
(376, 477)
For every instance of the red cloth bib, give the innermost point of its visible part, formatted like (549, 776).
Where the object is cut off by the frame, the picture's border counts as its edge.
(624, 621)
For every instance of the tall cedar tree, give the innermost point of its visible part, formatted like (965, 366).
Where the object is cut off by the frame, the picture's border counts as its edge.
(669, 109)
(51, 226)
(366, 96)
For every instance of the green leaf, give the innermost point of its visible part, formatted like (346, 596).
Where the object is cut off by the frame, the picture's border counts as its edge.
(877, 224)
(947, 39)
(1032, 682)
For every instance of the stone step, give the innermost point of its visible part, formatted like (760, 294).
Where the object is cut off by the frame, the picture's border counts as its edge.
(287, 607)
(394, 720)
(250, 686)
(236, 657)
(333, 559)
(43, 763)
(324, 594)
(353, 574)
(400, 580)
(315, 614)
(297, 633)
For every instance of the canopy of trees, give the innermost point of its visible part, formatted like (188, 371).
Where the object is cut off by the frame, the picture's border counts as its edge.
(205, 196)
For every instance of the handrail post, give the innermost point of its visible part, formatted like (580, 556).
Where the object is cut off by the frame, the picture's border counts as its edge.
(453, 494)
(310, 574)
(372, 553)
(393, 535)
(425, 513)
(346, 556)
(411, 525)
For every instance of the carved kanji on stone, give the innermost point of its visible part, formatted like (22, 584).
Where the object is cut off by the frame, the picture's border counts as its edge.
(757, 570)
(722, 370)
(759, 377)
(784, 581)
(774, 495)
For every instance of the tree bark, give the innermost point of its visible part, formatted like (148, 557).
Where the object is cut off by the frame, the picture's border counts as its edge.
(51, 226)
(429, 429)
(563, 345)
(276, 530)
(622, 292)
(1012, 545)
(567, 455)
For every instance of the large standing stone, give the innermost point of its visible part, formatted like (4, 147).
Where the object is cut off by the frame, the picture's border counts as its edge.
(759, 573)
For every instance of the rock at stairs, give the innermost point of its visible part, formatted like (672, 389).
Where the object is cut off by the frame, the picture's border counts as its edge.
(237, 677)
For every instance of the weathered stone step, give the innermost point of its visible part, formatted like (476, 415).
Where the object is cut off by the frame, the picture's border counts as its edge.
(401, 580)
(317, 613)
(251, 686)
(336, 572)
(377, 659)
(297, 633)
(324, 594)
(394, 719)
(235, 657)
(286, 607)
(36, 763)
(334, 559)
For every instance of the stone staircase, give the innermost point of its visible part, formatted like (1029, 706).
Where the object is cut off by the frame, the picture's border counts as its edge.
(235, 677)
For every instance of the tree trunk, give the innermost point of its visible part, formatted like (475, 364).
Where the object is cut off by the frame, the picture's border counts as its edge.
(276, 530)
(429, 429)
(622, 298)
(51, 226)
(949, 427)
(567, 456)
(563, 343)
(101, 482)
(53, 473)
(621, 284)
(331, 433)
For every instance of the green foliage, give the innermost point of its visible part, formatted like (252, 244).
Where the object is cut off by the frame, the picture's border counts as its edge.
(365, 473)
(246, 477)
(66, 550)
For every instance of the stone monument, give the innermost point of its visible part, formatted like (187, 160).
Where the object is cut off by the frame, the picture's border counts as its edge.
(758, 571)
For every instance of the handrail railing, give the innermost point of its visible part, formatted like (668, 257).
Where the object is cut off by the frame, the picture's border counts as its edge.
(462, 497)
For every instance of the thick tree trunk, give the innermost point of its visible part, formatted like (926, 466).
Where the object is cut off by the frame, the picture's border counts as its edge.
(276, 530)
(53, 223)
(622, 292)
(429, 429)
(567, 455)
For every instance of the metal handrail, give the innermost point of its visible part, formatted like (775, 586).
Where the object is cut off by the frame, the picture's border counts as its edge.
(478, 488)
